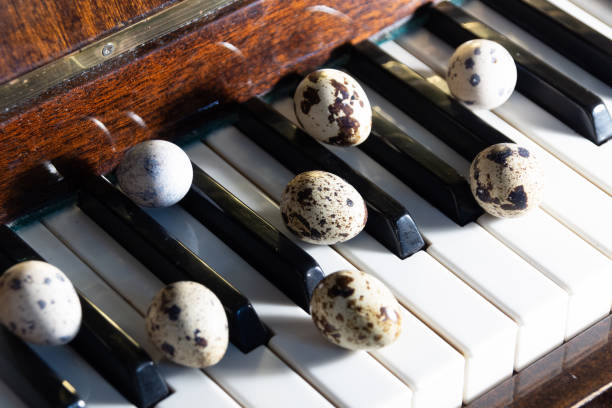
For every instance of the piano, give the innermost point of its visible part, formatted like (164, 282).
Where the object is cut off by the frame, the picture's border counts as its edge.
(497, 312)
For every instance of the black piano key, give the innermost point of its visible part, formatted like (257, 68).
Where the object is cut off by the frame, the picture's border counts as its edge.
(168, 258)
(31, 379)
(274, 255)
(420, 169)
(563, 97)
(438, 112)
(388, 221)
(102, 343)
(561, 31)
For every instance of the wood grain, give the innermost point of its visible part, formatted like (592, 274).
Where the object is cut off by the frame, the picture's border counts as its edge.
(34, 32)
(566, 377)
(84, 125)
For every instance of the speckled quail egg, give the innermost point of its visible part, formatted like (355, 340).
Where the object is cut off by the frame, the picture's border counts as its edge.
(481, 73)
(187, 322)
(39, 304)
(155, 173)
(356, 311)
(321, 208)
(333, 108)
(506, 180)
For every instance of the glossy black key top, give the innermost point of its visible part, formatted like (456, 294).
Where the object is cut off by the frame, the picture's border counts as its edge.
(562, 32)
(274, 255)
(168, 258)
(439, 113)
(420, 169)
(388, 221)
(31, 379)
(563, 97)
(102, 343)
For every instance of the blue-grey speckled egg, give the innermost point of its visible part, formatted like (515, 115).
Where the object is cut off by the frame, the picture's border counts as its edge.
(481, 73)
(155, 173)
(39, 304)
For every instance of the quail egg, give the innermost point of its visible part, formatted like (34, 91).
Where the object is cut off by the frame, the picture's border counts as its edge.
(506, 180)
(155, 173)
(321, 208)
(187, 322)
(481, 73)
(333, 108)
(39, 304)
(356, 311)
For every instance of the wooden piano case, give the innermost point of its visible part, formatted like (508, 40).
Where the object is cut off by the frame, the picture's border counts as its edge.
(109, 93)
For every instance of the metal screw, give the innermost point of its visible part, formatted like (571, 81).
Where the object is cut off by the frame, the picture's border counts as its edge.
(108, 49)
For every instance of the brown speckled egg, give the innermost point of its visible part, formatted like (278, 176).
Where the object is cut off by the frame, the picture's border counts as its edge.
(333, 108)
(39, 304)
(321, 208)
(506, 180)
(356, 311)
(187, 322)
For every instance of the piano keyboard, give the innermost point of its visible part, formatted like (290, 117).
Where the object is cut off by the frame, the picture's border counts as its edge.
(483, 298)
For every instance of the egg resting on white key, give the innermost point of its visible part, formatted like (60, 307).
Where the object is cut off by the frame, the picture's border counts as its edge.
(155, 173)
(39, 304)
(507, 180)
(333, 108)
(356, 311)
(188, 323)
(321, 208)
(481, 73)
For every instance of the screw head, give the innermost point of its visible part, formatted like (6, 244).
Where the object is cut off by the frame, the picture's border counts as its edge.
(108, 49)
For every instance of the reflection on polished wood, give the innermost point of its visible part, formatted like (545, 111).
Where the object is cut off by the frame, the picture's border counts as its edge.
(86, 123)
(568, 376)
(35, 32)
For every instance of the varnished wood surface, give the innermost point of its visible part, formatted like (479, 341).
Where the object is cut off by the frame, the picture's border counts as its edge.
(35, 32)
(85, 124)
(566, 377)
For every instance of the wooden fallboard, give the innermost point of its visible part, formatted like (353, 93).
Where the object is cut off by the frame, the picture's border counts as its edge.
(35, 32)
(84, 124)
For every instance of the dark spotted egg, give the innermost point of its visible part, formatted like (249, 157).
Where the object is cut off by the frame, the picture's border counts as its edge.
(333, 108)
(356, 311)
(506, 180)
(155, 173)
(321, 208)
(187, 322)
(481, 73)
(39, 304)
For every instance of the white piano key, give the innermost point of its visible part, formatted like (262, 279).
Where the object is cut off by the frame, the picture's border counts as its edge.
(500, 275)
(90, 386)
(581, 154)
(584, 273)
(568, 197)
(562, 256)
(597, 14)
(263, 374)
(444, 367)
(85, 280)
(326, 366)
(43, 241)
(8, 397)
(190, 388)
(484, 335)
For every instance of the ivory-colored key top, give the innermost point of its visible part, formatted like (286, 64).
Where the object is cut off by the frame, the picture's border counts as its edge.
(566, 259)
(262, 372)
(500, 275)
(419, 357)
(326, 366)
